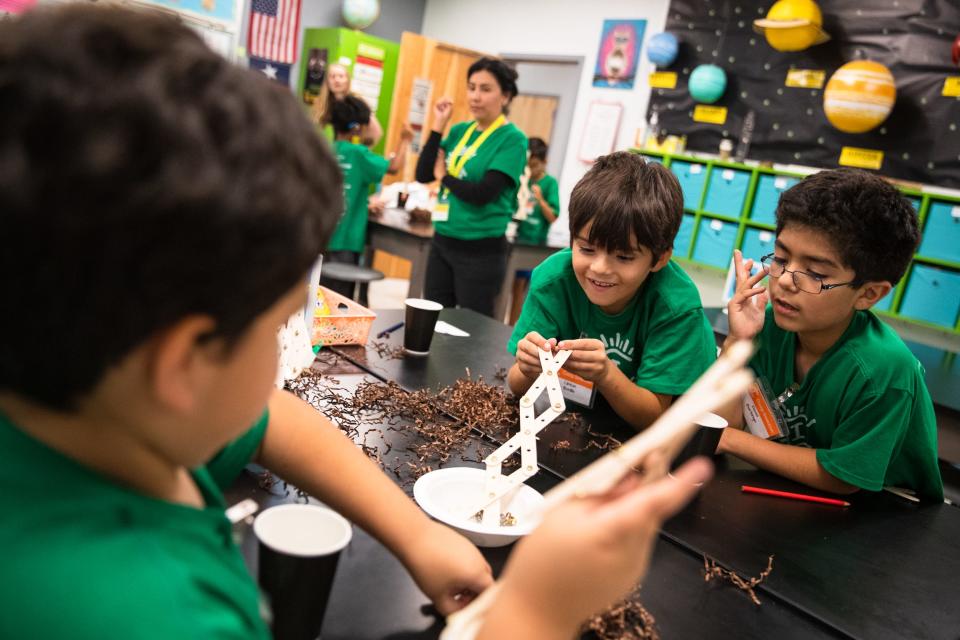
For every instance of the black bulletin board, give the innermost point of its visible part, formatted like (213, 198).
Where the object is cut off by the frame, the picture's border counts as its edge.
(920, 139)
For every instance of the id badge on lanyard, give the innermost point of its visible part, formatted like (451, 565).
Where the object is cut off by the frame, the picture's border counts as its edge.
(762, 411)
(576, 389)
(441, 210)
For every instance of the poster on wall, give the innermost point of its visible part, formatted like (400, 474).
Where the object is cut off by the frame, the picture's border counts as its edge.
(316, 74)
(15, 6)
(600, 130)
(618, 54)
(417, 116)
(368, 73)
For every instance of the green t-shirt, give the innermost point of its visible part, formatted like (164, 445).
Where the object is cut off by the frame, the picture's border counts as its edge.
(505, 151)
(863, 406)
(661, 340)
(534, 228)
(361, 168)
(86, 559)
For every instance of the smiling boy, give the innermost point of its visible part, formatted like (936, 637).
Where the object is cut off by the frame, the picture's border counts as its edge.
(858, 415)
(631, 316)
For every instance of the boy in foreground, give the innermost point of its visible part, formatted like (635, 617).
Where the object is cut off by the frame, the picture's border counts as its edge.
(171, 203)
(632, 318)
(855, 407)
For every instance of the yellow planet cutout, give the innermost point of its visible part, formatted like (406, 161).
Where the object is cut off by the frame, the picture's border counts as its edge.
(859, 96)
(792, 25)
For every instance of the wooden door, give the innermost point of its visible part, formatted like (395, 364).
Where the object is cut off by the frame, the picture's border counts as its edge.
(534, 115)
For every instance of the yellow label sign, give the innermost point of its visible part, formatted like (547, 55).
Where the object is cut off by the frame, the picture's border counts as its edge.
(710, 115)
(861, 158)
(663, 80)
(368, 50)
(806, 78)
(951, 87)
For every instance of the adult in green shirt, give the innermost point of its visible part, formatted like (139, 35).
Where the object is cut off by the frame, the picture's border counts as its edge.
(543, 205)
(632, 318)
(860, 416)
(479, 165)
(361, 169)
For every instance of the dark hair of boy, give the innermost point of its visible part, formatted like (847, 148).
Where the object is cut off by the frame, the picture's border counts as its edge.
(537, 148)
(627, 197)
(348, 113)
(145, 178)
(869, 223)
(505, 75)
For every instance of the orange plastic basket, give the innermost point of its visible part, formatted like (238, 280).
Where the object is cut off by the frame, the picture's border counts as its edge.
(344, 325)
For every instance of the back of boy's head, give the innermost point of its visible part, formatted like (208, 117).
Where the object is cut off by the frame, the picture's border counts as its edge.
(349, 113)
(871, 226)
(537, 148)
(626, 197)
(143, 178)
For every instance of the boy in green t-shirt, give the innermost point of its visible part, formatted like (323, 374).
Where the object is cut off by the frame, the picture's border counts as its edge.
(361, 168)
(631, 316)
(856, 411)
(173, 212)
(543, 206)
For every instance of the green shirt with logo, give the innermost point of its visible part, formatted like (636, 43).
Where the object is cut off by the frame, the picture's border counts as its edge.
(504, 151)
(86, 558)
(534, 228)
(661, 340)
(361, 168)
(863, 406)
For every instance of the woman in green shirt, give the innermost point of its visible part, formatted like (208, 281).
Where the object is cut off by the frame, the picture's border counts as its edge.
(478, 165)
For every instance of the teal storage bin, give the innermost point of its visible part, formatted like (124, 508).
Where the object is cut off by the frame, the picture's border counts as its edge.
(681, 244)
(692, 176)
(769, 188)
(715, 240)
(757, 243)
(727, 191)
(932, 295)
(914, 202)
(941, 232)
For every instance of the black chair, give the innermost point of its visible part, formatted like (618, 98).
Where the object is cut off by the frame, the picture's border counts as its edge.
(350, 275)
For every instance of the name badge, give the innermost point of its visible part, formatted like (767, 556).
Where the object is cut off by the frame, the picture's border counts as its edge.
(441, 212)
(761, 412)
(577, 389)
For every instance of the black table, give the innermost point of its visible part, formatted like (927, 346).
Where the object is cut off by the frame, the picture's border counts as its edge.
(884, 568)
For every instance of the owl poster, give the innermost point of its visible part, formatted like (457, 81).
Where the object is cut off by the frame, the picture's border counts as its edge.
(619, 54)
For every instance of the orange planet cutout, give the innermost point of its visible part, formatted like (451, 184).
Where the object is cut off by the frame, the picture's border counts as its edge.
(859, 96)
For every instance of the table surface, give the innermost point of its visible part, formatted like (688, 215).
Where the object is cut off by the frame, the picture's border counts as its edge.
(880, 569)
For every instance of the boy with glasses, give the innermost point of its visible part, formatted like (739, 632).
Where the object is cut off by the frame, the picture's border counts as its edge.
(853, 405)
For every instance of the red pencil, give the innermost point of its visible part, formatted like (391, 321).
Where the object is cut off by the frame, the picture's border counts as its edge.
(796, 496)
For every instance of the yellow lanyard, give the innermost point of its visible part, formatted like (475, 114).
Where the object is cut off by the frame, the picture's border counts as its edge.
(459, 157)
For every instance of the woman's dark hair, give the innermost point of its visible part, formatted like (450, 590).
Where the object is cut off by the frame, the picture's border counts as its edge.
(505, 75)
(144, 179)
(348, 113)
(627, 197)
(537, 148)
(866, 220)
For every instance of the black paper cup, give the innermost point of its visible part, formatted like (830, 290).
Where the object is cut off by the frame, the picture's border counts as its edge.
(704, 441)
(299, 546)
(418, 325)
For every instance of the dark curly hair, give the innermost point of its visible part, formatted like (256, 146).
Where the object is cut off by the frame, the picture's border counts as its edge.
(349, 113)
(505, 75)
(143, 178)
(866, 220)
(537, 148)
(626, 196)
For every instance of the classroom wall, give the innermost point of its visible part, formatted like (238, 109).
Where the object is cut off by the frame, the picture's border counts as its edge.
(554, 27)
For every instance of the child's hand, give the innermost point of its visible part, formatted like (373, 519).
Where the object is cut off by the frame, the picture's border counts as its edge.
(537, 192)
(590, 552)
(528, 353)
(747, 307)
(447, 567)
(589, 358)
(442, 111)
(406, 133)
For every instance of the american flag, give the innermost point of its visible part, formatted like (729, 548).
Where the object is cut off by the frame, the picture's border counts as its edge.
(274, 25)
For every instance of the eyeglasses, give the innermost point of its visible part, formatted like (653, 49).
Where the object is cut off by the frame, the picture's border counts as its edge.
(806, 282)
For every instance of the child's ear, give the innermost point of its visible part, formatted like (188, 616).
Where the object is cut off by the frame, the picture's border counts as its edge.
(179, 362)
(663, 260)
(871, 293)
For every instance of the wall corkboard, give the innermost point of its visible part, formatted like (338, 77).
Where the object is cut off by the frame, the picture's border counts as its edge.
(921, 138)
